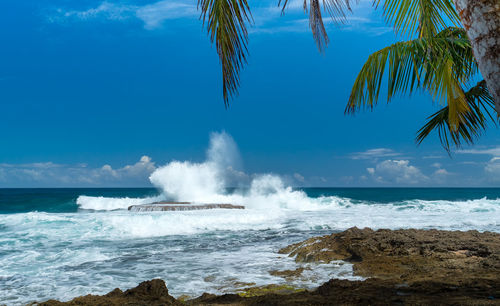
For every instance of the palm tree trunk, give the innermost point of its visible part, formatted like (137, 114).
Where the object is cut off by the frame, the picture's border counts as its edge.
(481, 19)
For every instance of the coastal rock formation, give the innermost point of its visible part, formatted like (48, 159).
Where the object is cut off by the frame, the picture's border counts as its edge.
(407, 255)
(334, 292)
(153, 292)
(370, 292)
(406, 267)
(181, 206)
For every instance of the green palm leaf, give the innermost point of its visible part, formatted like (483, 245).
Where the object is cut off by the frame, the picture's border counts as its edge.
(471, 123)
(439, 65)
(423, 18)
(226, 25)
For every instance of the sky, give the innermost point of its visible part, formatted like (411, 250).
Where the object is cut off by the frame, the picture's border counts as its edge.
(100, 93)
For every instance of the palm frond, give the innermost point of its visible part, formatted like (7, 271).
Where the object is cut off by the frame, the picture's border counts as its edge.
(424, 18)
(226, 25)
(471, 123)
(317, 26)
(439, 65)
(335, 8)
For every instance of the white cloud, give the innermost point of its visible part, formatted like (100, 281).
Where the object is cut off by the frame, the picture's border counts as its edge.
(441, 172)
(153, 15)
(491, 151)
(436, 165)
(441, 176)
(468, 163)
(50, 174)
(374, 154)
(107, 10)
(492, 169)
(397, 171)
(432, 157)
(299, 177)
(267, 16)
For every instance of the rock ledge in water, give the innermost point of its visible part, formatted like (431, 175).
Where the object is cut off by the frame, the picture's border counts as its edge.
(181, 206)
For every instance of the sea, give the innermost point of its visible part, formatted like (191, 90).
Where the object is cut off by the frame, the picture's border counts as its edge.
(63, 243)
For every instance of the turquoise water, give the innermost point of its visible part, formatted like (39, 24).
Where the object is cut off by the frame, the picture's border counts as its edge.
(62, 243)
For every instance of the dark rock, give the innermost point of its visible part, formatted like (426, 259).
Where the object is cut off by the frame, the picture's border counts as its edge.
(180, 206)
(153, 292)
(407, 255)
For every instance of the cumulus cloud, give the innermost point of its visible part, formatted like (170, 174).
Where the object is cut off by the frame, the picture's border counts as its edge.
(492, 166)
(55, 175)
(492, 169)
(397, 171)
(440, 175)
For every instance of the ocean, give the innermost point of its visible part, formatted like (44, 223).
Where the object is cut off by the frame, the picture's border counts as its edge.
(63, 243)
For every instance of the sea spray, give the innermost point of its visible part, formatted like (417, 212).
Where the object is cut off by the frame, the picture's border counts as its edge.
(206, 181)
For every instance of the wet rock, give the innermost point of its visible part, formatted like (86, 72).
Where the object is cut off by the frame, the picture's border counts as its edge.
(153, 292)
(289, 274)
(180, 206)
(407, 255)
(370, 292)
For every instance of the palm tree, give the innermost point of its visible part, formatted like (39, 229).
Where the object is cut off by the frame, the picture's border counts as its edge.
(481, 20)
(442, 65)
(438, 60)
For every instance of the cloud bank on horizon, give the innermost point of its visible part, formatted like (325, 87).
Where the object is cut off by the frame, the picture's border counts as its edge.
(387, 168)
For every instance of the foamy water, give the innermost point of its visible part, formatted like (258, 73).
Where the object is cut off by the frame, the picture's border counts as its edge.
(47, 255)
(103, 245)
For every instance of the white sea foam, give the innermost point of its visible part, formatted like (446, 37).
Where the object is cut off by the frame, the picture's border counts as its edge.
(196, 251)
(107, 203)
(69, 254)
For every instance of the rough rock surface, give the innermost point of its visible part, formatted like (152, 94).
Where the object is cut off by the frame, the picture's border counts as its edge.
(408, 255)
(180, 206)
(153, 292)
(370, 292)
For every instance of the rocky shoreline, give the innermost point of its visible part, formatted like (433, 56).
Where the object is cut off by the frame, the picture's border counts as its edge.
(414, 267)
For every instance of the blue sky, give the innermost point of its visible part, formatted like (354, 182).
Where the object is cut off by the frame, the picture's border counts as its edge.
(100, 93)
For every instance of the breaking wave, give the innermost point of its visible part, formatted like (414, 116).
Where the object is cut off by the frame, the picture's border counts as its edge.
(206, 182)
